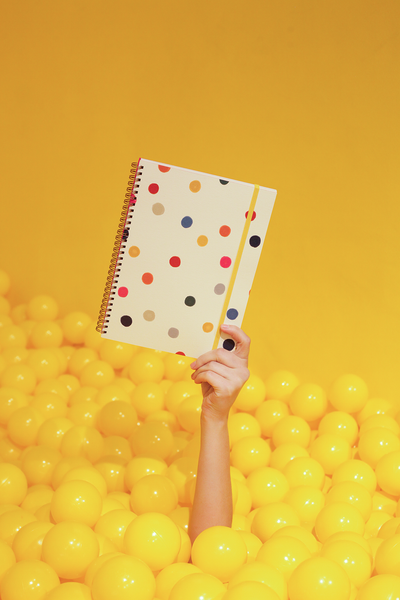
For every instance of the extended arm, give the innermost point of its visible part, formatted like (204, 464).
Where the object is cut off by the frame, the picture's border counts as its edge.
(222, 374)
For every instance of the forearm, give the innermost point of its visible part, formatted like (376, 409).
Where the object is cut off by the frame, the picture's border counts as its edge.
(212, 503)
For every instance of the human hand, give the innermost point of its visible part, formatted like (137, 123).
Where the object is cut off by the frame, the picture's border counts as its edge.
(222, 374)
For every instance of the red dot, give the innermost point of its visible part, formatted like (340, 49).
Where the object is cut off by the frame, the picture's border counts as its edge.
(147, 278)
(253, 216)
(180, 353)
(123, 292)
(225, 262)
(164, 169)
(224, 230)
(175, 261)
(153, 188)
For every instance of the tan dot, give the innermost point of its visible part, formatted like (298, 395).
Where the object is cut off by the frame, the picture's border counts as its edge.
(207, 327)
(202, 240)
(158, 209)
(194, 186)
(134, 251)
(149, 315)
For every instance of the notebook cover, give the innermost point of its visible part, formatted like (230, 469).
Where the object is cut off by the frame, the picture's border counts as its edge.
(185, 262)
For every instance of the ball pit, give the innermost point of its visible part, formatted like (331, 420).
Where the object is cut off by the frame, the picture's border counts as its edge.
(99, 444)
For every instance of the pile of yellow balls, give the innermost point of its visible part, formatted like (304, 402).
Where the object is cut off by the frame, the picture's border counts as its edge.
(99, 443)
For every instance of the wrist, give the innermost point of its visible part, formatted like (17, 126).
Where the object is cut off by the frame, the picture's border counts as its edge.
(213, 419)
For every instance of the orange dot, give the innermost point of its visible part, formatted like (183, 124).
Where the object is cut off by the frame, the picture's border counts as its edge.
(147, 278)
(163, 169)
(207, 327)
(134, 251)
(202, 240)
(224, 230)
(194, 186)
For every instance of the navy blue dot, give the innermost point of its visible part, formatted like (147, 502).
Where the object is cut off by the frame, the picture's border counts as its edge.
(255, 241)
(126, 321)
(190, 301)
(232, 314)
(228, 345)
(223, 181)
(187, 222)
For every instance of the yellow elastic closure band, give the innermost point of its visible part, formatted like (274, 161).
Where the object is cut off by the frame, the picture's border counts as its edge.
(236, 264)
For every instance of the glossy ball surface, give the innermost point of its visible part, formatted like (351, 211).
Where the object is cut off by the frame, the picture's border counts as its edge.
(152, 439)
(13, 484)
(146, 366)
(28, 579)
(330, 451)
(268, 519)
(375, 443)
(353, 559)
(358, 471)
(284, 553)
(338, 517)
(348, 393)
(268, 413)
(77, 501)
(198, 586)
(249, 454)
(291, 430)
(147, 398)
(341, 424)
(308, 401)
(154, 493)
(280, 384)
(319, 578)
(251, 589)
(219, 551)
(267, 485)
(122, 578)
(252, 394)
(27, 544)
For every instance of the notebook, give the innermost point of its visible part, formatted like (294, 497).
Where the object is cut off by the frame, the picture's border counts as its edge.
(184, 259)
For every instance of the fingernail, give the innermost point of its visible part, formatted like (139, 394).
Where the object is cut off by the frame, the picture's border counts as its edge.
(193, 365)
(226, 327)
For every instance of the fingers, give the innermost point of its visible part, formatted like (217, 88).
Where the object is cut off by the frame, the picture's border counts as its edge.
(242, 340)
(225, 356)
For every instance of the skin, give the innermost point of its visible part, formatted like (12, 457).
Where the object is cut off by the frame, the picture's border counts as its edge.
(222, 375)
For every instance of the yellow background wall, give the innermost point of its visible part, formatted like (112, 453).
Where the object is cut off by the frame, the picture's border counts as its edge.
(299, 95)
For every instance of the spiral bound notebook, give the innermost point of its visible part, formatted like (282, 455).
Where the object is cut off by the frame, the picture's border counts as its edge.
(184, 259)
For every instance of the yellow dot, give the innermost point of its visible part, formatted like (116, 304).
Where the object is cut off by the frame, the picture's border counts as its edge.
(194, 186)
(134, 251)
(202, 240)
(207, 327)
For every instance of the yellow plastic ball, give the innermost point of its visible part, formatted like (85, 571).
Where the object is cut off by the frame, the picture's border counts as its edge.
(27, 544)
(249, 454)
(97, 373)
(97, 563)
(186, 546)
(253, 545)
(42, 308)
(389, 528)
(307, 502)
(348, 393)
(146, 366)
(291, 430)
(117, 354)
(388, 473)
(153, 538)
(243, 503)
(376, 406)
(19, 377)
(112, 470)
(28, 579)
(385, 587)
(122, 578)
(251, 589)
(84, 413)
(242, 425)
(154, 493)
(12, 336)
(188, 413)
(266, 486)
(219, 551)
(82, 441)
(350, 536)
(152, 439)
(304, 470)
(11, 399)
(69, 548)
(9, 452)
(268, 413)
(112, 393)
(169, 576)
(380, 421)
(113, 526)
(70, 382)
(46, 334)
(77, 501)
(23, 426)
(70, 590)
(284, 553)
(308, 401)
(85, 473)
(65, 465)
(117, 418)
(50, 405)
(263, 573)
(330, 451)
(80, 358)
(387, 559)
(285, 453)
(319, 578)
(13, 484)
(140, 466)
(280, 385)
(383, 502)
(341, 424)
(338, 517)
(92, 338)
(375, 443)
(354, 560)
(168, 420)
(52, 385)
(147, 398)
(75, 325)
(300, 533)
(7, 559)
(177, 392)
(37, 496)
(15, 356)
(85, 393)
(176, 366)
(358, 471)
(198, 586)
(354, 493)
(12, 521)
(39, 463)
(272, 517)
(115, 445)
(251, 395)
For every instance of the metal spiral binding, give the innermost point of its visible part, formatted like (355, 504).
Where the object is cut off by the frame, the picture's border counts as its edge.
(119, 248)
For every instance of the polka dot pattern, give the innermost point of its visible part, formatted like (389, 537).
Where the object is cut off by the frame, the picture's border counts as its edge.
(195, 186)
(153, 188)
(225, 262)
(224, 230)
(190, 301)
(219, 289)
(223, 181)
(147, 278)
(255, 241)
(253, 216)
(208, 327)
(163, 169)
(173, 332)
(126, 321)
(158, 209)
(187, 222)
(228, 344)
(175, 261)
(202, 240)
(122, 292)
(232, 314)
(134, 251)
(149, 315)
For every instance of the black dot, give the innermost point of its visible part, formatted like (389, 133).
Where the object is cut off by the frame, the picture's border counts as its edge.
(228, 344)
(223, 181)
(255, 241)
(126, 321)
(190, 301)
